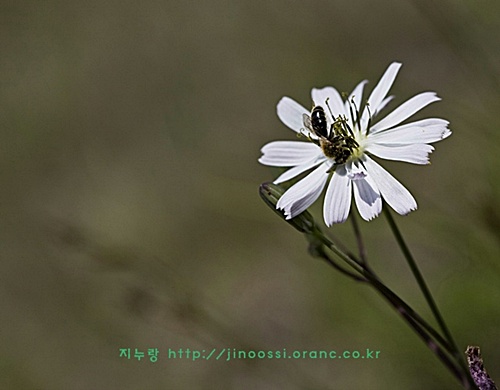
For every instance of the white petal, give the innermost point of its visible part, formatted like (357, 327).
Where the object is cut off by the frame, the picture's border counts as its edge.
(367, 197)
(320, 96)
(304, 193)
(414, 153)
(288, 153)
(295, 171)
(383, 104)
(423, 131)
(405, 110)
(366, 115)
(393, 192)
(380, 91)
(377, 100)
(338, 198)
(290, 112)
(355, 170)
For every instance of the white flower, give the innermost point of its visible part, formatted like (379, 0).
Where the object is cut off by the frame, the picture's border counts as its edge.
(341, 149)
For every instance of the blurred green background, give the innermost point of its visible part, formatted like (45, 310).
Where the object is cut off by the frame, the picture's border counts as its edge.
(130, 215)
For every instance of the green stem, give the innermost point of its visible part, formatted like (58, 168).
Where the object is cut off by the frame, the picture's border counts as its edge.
(431, 337)
(446, 359)
(317, 249)
(398, 303)
(359, 239)
(362, 272)
(423, 287)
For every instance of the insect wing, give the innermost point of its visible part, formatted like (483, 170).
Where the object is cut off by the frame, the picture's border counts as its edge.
(306, 119)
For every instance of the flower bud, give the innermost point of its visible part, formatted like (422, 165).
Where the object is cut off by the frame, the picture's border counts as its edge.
(270, 193)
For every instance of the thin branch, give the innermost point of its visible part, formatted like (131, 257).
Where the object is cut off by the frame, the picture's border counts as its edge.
(423, 285)
(359, 239)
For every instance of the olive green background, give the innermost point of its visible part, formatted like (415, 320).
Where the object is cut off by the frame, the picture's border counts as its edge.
(129, 207)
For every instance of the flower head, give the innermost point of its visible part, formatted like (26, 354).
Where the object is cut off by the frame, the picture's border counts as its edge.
(341, 136)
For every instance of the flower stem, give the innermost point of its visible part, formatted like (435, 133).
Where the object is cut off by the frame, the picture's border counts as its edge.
(423, 286)
(359, 239)
(401, 306)
(430, 337)
(359, 270)
(317, 249)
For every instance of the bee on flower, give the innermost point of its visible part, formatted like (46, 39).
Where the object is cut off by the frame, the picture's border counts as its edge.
(340, 138)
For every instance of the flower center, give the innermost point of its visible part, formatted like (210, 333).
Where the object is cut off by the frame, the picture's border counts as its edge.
(340, 143)
(339, 148)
